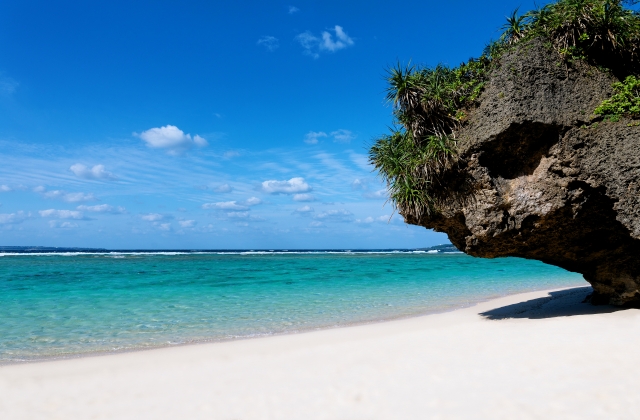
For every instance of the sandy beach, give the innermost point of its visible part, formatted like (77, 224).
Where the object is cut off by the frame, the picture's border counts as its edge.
(538, 355)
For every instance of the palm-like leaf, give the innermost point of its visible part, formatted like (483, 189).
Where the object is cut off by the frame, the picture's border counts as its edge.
(515, 29)
(403, 91)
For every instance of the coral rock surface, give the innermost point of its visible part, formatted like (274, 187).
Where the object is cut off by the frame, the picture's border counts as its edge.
(549, 183)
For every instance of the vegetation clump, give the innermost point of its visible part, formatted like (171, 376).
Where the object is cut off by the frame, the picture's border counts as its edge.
(603, 32)
(625, 101)
(431, 104)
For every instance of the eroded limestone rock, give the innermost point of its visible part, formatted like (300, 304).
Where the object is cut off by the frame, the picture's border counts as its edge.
(547, 182)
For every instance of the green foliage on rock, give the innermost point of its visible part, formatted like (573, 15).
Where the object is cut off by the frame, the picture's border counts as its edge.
(429, 105)
(602, 31)
(625, 101)
(409, 168)
(426, 100)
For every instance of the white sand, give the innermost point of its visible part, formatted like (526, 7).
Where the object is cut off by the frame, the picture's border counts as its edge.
(557, 359)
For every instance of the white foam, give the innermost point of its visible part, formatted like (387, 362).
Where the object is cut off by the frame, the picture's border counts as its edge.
(120, 254)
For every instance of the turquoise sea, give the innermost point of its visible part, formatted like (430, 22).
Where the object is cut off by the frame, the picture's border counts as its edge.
(60, 305)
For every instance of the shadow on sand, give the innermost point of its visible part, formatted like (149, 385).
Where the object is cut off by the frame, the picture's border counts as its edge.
(561, 303)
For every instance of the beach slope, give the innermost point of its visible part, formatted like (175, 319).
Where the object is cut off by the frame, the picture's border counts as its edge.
(538, 355)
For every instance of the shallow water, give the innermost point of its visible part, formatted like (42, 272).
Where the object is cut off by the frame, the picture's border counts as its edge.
(58, 305)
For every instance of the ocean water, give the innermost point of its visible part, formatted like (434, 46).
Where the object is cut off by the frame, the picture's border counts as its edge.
(60, 305)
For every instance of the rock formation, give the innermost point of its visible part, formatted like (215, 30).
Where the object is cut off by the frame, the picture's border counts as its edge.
(549, 182)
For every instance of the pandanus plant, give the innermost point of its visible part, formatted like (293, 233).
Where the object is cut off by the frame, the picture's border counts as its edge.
(604, 31)
(515, 29)
(422, 145)
(421, 100)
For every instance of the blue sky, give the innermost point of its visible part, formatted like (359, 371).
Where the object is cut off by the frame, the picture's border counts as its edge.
(199, 124)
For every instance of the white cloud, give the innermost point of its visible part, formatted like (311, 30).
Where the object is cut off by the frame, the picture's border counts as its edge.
(341, 40)
(13, 218)
(312, 137)
(335, 216)
(253, 201)
(309, 43)
(233, 205)
(339, 136)
(376, 194)
(224, 188)
(62, 225)
(238, 214)
(386, 218)
(165, 226)
(304, 197)
(269, 42)
(7, 85)
(230, 154)
(359, 184)
(304, 209)
(171, 138)
(316, 224)
(342, 136)
(62, 214)
(328, 42)
(5, 188)
(152, 217)
(362, 161)
(292, 186)
(63, 195)
(293, 9)
(97, 172)
(70, 197)
(369, 220)
(102, 208)
(187, 223)
(224, 205)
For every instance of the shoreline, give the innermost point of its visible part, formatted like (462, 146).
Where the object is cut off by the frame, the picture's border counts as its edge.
(533, 355)
(457, 307)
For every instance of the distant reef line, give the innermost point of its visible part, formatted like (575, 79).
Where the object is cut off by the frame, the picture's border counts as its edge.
(48, 249)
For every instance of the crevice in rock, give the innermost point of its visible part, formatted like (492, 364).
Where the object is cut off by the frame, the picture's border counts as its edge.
(517, 151)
